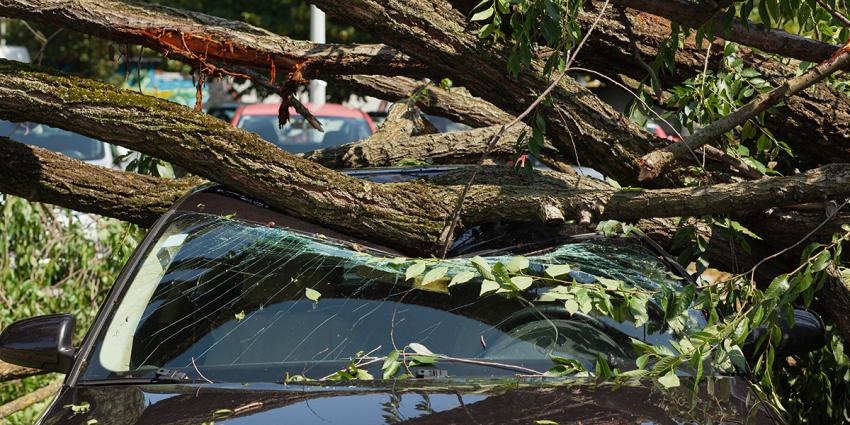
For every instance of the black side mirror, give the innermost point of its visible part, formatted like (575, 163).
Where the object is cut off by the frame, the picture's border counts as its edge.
(42, 342)
(808, 334)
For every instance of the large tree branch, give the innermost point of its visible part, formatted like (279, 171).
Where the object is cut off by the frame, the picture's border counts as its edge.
(694, 15)
(450, 103)
(197, 38)
(814, 122)
(435, 33)
(409, 216)
(43, 176)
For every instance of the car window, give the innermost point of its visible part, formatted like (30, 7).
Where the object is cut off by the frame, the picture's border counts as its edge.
(65, 142)
(297, 136)
(229, 298)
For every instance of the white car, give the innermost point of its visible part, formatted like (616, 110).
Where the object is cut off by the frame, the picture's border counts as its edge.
(74, 145)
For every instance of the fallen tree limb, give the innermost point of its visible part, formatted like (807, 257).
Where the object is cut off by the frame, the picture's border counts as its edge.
(409, 216)
(43, 176)
(653, 163)
(10, 372)
(28, 400)
(452, 104)
(444, 148)
(433, 32)
(814, 122)
(197, 38)
(694, 15)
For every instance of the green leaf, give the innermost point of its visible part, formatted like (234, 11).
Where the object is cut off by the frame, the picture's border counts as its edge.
(364, 375)
(517, 264)
(777, 287)
(821, 261)
(488, 286)
(420, 349)
(461, 277)
(670, 380)
(642, 360)
(545, 422)
(558, 270)
(422, 360)
(522, 282)
(312, 294)
(483, 15)
(415, 270)
(391, 364)
(572, 306)
(552, 10)
(602, 368)
(434, 275)
(736, 356)
(483, 267)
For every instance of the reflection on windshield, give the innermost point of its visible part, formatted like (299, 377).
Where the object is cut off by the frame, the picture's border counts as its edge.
(298, 136)
(65, 142)
(229, 297)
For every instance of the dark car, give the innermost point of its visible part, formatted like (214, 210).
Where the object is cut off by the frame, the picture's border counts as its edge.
(233, 312)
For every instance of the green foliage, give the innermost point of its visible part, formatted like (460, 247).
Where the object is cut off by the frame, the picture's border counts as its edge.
(54, 261)
(525, 25)
(717, 93)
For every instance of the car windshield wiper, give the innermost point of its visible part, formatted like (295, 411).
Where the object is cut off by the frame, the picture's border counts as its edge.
(161, 376)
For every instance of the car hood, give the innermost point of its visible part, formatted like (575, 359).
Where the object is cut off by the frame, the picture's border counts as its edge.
(718, 400)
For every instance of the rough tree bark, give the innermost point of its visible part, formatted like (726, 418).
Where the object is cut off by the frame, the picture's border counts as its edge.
(435, 33)
(43, 176)
(197, 38)
(407, 215)
(695, 14)
(814, 122)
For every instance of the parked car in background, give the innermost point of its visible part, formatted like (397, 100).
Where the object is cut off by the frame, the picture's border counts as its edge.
(224, 111)
(74, 145)
(15, 53)
(341, 124)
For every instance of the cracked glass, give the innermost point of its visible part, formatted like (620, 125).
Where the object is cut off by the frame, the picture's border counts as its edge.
(226, 299)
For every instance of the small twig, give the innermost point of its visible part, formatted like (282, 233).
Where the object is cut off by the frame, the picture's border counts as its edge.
(287, 97)
(752, 271)
(505, 366)
(835, 14)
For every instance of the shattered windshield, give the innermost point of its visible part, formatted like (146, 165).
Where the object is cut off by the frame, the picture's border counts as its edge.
(234, 301)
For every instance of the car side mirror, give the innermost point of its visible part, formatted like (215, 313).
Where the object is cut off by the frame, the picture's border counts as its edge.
(42, 342)
(808, 334)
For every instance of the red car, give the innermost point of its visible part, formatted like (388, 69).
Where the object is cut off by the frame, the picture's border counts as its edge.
(341, 124)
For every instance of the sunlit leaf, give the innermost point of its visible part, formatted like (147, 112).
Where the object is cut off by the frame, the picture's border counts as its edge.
(488, 286)
(670, 380)
(461, 277)
(312, 294)
(517, 264)
(522, 282)
(558, 270)
(415, 270)
(420, 349)
(434, 275)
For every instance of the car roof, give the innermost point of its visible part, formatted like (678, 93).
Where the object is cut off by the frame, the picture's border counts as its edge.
(328, 109)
